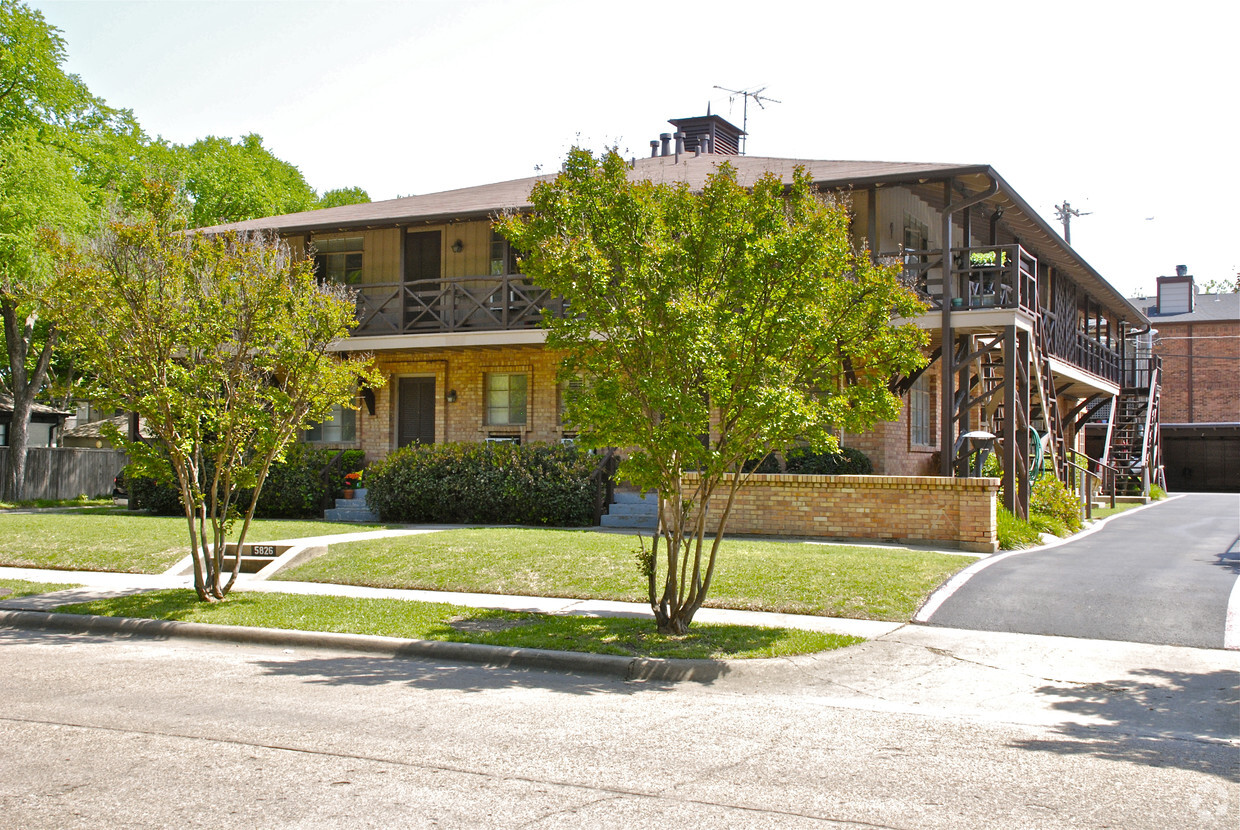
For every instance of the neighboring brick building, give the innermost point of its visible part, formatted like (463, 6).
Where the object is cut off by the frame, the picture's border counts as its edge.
(1198, 338)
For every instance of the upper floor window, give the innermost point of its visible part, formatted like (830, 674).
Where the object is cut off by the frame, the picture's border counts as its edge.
(506, 397)
(338, 428)
(339, 259)
(503, 257)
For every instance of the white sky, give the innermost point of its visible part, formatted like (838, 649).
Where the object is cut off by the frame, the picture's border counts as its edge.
(1127, 110)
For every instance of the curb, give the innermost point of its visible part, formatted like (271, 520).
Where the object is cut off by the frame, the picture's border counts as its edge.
(625, 668)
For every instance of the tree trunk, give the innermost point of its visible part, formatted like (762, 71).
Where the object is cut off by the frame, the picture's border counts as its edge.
(25, 386)
(19, 441)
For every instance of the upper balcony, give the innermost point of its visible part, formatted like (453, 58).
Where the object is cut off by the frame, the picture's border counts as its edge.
(507, 302)
(1006, 277)
(984, 278)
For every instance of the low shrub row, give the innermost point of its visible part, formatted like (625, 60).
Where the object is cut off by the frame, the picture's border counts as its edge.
(800, 461)
(485, 483)
(294, 489)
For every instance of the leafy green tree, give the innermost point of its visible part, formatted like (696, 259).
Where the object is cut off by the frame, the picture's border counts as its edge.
(708, 329)
(34, 90)
(344, 196)
(39, 105)
(222, 345)
(230, 182)
(1222, 286)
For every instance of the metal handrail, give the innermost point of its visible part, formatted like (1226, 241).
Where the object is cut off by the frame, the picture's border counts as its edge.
(1112, 477)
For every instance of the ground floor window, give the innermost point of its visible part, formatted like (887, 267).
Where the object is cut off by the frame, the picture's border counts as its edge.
(569, 391)
(338, 428)
(919, 411)
(506, 399)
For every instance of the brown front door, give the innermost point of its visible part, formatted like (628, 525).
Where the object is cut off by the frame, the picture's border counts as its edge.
(416, 412)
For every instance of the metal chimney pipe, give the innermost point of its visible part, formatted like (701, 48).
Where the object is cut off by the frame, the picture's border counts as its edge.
(1181, 270)
(665, 140)
(680, 142)
(654, 147)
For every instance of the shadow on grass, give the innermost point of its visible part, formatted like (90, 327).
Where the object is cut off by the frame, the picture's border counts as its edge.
(1161, 719)
(506, 631)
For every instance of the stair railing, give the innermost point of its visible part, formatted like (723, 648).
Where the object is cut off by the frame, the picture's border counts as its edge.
(1147, 440)
(1104, 474)
(603, 476)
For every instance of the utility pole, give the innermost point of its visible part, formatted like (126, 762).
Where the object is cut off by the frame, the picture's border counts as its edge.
(1065, 213)
(757, 97)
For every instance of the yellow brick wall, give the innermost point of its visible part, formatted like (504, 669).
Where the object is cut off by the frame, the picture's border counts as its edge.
(463, 371)
(916, 510)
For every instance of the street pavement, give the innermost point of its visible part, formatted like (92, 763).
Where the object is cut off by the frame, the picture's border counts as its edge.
(921, 728)
(1164, 574)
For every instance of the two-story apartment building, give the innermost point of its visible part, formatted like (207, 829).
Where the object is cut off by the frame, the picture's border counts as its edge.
(1026, 337)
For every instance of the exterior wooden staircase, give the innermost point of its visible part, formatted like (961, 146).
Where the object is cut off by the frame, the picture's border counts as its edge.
(1133, 446)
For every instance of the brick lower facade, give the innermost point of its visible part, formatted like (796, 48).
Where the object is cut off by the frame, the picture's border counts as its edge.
(463, 372)
(955, 512)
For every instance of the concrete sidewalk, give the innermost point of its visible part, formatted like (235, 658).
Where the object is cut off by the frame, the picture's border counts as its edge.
(101, 585)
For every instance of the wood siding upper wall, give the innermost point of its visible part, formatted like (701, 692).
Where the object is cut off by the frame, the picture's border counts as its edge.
(894, 203)
(380, 253)
(474, 260)
(381, 263)
(297, 245)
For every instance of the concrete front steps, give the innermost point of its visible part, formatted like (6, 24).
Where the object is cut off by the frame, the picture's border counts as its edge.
(632, 510)
(352, 510)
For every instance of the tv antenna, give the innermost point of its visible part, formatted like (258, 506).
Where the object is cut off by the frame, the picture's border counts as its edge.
(1065, 213)
(746, 94)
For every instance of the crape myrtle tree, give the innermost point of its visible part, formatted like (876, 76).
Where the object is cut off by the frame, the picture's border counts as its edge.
(221, 344)
(709, 329)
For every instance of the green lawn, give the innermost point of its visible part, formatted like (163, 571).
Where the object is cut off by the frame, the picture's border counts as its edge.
(118, 540)
(1106, 512)
(438, 621)
(24, 588)
(828, 580)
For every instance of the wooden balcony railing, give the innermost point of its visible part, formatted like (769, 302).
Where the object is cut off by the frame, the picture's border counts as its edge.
(1005, 276)
(990, 276)
(507, 302)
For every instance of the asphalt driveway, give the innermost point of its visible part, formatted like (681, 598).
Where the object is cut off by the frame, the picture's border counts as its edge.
(1162, 575)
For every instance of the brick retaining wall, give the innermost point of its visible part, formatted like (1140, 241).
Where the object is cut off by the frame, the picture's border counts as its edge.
(954, 512)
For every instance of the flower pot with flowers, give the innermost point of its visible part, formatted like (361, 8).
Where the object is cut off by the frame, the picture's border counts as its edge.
(352, 481)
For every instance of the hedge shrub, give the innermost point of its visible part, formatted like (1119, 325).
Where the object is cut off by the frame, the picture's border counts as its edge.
(1052, 498)
(485, 483)
(801, 461)
(293, 490)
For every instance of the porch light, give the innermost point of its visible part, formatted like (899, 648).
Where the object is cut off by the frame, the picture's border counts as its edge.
(451, 396)
(458, 246)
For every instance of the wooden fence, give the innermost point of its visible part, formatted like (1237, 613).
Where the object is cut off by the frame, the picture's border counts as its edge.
(67, 472)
